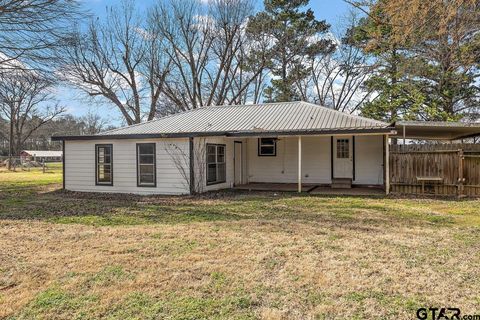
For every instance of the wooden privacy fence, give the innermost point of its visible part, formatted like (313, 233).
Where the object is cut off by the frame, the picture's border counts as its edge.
(445, 169)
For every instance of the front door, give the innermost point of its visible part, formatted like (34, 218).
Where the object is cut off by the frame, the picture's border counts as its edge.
(238, 163)
(343, 158)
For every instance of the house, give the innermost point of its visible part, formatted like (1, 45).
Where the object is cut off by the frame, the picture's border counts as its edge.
(222, 147)
(41, 155)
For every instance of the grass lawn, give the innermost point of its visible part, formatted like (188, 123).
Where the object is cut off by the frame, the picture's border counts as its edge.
(20, 180)
(231, 255)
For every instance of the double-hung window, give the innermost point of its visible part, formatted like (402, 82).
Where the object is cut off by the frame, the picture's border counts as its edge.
(267, 147)
(216, 167)
(146, 167)
(104, 164)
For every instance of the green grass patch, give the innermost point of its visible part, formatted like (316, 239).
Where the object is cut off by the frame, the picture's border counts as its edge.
(18, 181)
(139, 305)
(58, 303)
(110, 275)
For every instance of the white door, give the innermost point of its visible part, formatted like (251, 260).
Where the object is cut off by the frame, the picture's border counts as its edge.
(343, 157)
(238, 160)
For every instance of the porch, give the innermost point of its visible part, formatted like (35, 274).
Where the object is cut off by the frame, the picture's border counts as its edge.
(312, 189)
(313, 164)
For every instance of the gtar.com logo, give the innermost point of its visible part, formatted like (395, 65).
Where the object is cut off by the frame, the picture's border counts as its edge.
(444, 314)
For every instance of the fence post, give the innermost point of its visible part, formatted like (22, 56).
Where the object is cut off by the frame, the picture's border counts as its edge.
(460, 172)
(387, 166)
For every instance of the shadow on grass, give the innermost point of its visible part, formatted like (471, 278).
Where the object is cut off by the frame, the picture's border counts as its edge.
(108, 209)
(102, 209)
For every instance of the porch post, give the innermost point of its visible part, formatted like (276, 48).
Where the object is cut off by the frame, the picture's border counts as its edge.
(299, 163)
(63, 164)
(192, 165)
(387, 165)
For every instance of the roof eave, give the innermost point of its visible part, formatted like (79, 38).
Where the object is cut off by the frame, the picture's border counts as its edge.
(386, 130)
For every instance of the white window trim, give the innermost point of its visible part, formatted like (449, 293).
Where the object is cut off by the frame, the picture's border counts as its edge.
(209, 183)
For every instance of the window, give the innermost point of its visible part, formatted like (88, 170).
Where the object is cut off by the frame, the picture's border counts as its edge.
(216, 167)
(343, 148)
(104, 164)
(146, 166)
(267, 147)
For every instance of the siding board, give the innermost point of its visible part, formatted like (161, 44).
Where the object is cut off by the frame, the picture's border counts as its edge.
(80, 164)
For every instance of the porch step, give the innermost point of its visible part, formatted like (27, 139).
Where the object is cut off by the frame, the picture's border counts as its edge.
(341, 183)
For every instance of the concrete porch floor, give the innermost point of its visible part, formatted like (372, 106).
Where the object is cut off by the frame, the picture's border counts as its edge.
(312, 189)
(281, 187)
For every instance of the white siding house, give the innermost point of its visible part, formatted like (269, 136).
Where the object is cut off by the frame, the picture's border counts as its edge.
(80, 167)
(215, 148)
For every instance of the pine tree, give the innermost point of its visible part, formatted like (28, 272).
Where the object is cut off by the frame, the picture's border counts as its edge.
(427, 59)
(389, 81)
(295, 36)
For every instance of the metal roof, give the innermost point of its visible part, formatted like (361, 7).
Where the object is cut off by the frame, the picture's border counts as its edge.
(272, 119)
(267, 117)
(43, 153)
(436, 130)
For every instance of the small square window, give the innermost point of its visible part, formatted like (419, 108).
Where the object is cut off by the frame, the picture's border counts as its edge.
(267, 147)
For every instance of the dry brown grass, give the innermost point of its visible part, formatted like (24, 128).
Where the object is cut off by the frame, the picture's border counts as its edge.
(235, 256)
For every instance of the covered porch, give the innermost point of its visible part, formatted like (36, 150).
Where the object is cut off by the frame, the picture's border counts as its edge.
(312, 189)
(341, 164)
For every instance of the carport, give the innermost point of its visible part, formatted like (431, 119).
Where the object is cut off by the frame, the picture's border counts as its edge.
(435, 130)
(448, 167)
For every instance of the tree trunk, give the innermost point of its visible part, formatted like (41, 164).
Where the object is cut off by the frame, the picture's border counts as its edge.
(17, 147)
(10, 142)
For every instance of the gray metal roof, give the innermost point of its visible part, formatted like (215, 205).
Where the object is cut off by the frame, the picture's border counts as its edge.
(267, 117)
(436, 130)
(438, 124)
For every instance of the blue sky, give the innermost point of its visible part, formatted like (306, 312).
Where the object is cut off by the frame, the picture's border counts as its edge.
(330, 10)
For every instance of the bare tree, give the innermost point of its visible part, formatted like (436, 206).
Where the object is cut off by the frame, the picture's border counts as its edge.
(208, 48)
(31, 30)
(252, 62)
(180, 157)
(23, 103)
(93, 123)
(119, 61)
(337, 79)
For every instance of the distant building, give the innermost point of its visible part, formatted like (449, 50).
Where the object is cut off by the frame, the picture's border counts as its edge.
(41, 156)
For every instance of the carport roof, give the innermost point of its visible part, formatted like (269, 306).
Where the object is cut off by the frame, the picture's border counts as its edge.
(436, 130)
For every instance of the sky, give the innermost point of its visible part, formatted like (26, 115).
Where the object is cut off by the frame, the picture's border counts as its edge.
(330, 10)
